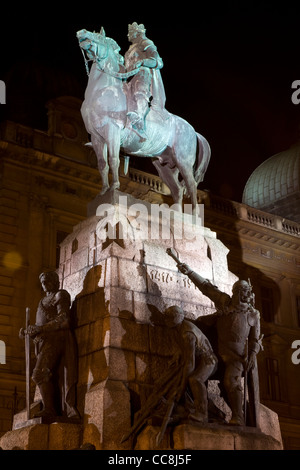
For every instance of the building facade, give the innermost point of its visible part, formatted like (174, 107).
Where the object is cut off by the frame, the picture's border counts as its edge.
(48, 178)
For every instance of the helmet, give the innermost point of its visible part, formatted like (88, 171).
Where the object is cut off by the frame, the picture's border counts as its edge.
(241, 285)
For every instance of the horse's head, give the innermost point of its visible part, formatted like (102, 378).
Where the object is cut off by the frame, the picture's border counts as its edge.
(98, 47)
(92, 44)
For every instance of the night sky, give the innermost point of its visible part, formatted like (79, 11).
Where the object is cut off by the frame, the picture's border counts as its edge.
(228, 69)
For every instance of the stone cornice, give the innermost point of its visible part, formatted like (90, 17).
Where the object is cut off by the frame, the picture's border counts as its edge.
(249, 223)
(47, 164)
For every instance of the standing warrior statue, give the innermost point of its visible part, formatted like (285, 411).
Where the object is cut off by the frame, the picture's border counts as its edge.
(55, 350)
(239, 341)
(146, 87)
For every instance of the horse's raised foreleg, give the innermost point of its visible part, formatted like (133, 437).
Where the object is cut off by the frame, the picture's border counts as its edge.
(100, 149)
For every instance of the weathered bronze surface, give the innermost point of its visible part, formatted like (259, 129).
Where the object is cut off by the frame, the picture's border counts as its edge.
(124, 109)
(55, 371)
(234, 330)
(190, 369)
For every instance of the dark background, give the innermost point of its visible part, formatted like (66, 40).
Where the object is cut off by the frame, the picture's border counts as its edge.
(228, 70)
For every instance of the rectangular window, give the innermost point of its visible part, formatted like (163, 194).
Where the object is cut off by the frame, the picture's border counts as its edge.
(60, 236)
(267, 304)
(273, 382)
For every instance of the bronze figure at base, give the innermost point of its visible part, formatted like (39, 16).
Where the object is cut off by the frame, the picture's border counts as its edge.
(55, 371)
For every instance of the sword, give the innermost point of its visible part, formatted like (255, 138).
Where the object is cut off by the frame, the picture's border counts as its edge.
(160, 435)
(171, 252)
(27, 362)
(245, 381)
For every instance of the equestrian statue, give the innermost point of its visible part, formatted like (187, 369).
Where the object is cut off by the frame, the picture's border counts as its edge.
(124, 109)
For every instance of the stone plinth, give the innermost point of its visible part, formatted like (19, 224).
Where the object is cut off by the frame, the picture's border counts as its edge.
(116, 269)
(54, 436)
(217, 437)
(214, 436)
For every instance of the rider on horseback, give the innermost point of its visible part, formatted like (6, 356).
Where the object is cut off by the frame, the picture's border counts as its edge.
(181, 154)
(146, 87)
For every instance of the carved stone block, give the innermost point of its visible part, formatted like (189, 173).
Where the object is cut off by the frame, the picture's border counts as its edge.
(107, 415)
(114, 282)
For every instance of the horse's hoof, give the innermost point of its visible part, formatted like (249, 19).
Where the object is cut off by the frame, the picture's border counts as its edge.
(115, 186)
(104, 190)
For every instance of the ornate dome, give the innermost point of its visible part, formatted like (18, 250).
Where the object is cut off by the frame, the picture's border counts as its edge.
(274, 186)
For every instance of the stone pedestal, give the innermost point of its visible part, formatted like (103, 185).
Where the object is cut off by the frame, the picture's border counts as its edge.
(54, 436)
(116, 268)
(208, 437)
(215, 437)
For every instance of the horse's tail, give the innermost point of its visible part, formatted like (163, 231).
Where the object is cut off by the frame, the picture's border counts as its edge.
(203, 158)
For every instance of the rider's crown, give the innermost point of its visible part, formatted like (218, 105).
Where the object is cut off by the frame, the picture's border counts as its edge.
(139, 28)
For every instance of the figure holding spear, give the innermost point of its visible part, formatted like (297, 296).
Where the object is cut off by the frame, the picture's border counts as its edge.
(24, 334)
(55, 371)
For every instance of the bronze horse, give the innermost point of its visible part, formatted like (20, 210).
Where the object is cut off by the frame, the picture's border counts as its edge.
(179, 153)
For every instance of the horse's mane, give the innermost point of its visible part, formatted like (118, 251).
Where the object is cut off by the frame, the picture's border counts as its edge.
(113, 44)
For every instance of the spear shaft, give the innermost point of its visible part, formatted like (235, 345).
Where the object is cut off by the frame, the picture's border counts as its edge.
(27, 362)
(245, 381)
